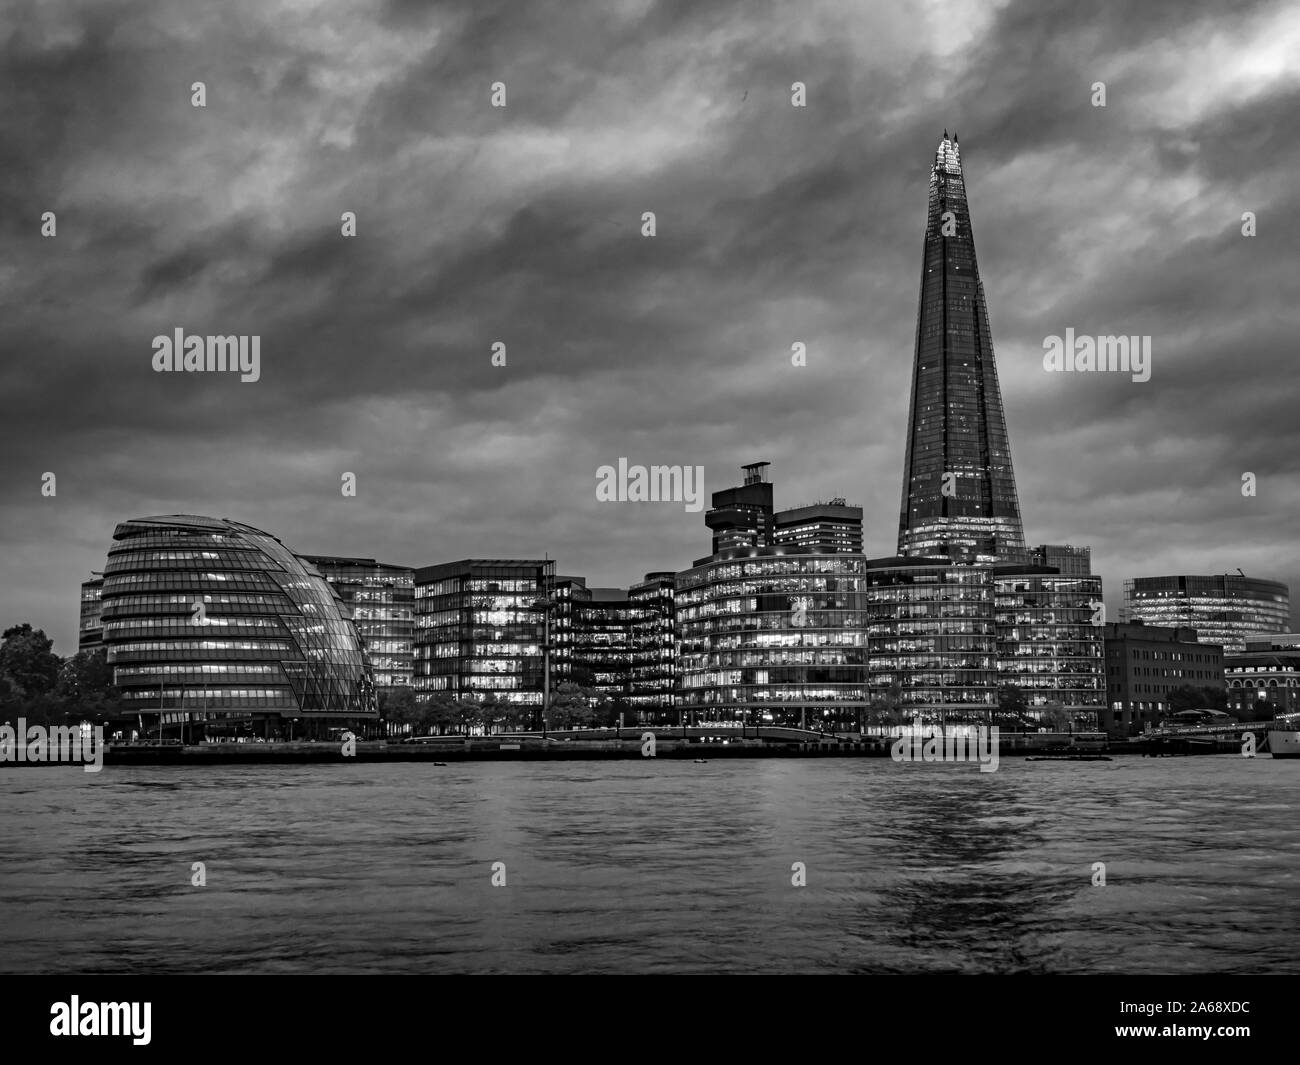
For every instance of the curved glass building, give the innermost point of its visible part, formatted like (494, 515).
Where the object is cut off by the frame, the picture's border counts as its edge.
(215, 628)
(1222, 608)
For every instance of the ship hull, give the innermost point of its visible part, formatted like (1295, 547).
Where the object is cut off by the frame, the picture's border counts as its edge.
(1284, 743)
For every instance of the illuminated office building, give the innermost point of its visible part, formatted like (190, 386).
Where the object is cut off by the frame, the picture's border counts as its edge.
(90, 627)
(830, 527)
(959, 489)
(773, 635)
(381, 599)
(603, 650)
(654, 651)
(1223, 608)
(475, 631)
(741, 517)
(931, 637)
(1049, 645)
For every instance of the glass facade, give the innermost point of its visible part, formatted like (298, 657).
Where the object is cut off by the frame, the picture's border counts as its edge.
(381, 601)
(654, 655)
(603, 645)
(1223, 609)
(959, 490)
(475, 632)
(932, 634)
(212, 623)
(807, 637)
(1047, 643)
(777, 637)
(90, 629)
(827, 527)
(741, 517)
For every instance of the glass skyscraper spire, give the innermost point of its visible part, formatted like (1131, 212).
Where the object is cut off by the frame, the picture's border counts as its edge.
(959, 491)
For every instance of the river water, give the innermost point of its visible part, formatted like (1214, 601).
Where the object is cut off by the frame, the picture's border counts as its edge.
(654, 866)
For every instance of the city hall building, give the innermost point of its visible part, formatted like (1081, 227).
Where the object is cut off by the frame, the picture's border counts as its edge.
(216, 629)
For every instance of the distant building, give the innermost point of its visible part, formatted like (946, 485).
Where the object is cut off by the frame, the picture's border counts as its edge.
(830, 527)
(568, 592)
(1048, 643)
(381, 598)
(1223, 608)
(1144, 663)
(617, 642)
(603, 642)
(1267, 671)
(773, 635)
(811, 632)
(475, 631)
(90, 631)
(1066, 559)
(654, 651)
(741, 517)
(930, 631)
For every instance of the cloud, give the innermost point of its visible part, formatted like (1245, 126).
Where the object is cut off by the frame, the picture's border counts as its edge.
(522, 225)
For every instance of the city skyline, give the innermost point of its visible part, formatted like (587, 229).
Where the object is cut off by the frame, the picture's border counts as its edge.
(776, 225)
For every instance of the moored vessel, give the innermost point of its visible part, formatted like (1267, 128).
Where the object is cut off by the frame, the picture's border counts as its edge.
(1284, 737)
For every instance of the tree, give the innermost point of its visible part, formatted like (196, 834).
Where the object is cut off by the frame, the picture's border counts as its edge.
(571, 704)
(465, 715)
(1215, 696)
(1188, 697)
(1013, 704)
(608, 709)
(1055, 717)
(398, 707)
(887, 709)
(85, 685)
(28, 663)
(491, 713)
(516, 717)
(441, 713)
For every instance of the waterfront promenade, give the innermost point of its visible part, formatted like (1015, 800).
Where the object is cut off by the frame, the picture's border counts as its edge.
(693, 742)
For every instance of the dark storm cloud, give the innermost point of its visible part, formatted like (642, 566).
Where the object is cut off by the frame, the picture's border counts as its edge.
(523, 225)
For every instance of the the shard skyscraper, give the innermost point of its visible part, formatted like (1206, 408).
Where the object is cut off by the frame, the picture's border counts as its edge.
(959, 491)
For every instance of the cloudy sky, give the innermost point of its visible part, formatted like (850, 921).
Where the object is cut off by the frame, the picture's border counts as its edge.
(522, 224)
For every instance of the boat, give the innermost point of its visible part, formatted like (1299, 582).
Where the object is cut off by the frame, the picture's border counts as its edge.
(1068, 758)
(1284, 737)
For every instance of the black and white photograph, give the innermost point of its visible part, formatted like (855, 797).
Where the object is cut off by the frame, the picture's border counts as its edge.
(649, 489)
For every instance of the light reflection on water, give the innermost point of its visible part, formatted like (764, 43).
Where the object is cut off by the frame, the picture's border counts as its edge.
(654, 866)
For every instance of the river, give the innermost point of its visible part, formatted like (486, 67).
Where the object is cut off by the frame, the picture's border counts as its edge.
(654, 866)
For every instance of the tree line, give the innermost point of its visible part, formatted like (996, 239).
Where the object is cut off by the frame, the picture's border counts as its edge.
(442, 714)
(38, 685)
